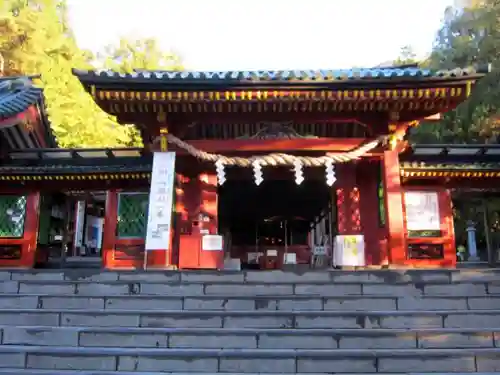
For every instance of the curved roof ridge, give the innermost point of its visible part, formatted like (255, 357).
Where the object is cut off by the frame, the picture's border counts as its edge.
(410, 71)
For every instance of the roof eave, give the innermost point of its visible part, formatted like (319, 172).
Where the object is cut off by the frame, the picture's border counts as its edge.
(147, 84)
(148, 80)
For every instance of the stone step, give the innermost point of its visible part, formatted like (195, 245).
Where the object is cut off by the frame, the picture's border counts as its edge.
(251, 360)
(66, 287)
(284, 302)
(252, 319)
(78, 372)
(272, 277)
(239, 338)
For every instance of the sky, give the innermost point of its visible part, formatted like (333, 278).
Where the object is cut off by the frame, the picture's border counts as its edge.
(265, 34)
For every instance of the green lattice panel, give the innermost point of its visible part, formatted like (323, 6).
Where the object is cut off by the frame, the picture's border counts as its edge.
(12, 215)
(132, 215)
(381, 199)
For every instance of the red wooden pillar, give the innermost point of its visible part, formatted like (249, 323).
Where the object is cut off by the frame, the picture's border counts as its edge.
(199, 217)
(447, 228)
(160, 259)
(368, 175)
(31, 229)
(394, 208)
(109, 229)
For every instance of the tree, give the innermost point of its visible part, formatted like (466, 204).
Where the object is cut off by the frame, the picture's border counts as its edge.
(406, 56)
(35, 39)
(469, 36)
(144, 54)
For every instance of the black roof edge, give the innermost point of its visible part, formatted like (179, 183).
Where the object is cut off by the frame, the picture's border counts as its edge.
(451, 153)
(51, 139)
(452, 145)
(76, 150)
(139, 84)
(90, 77)
(31, 77)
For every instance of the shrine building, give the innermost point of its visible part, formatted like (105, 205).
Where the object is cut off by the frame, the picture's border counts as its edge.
(278, 165)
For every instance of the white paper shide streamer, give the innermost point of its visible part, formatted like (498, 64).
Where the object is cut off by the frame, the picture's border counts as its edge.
(257, 172)
(330, 174)
(221, 173)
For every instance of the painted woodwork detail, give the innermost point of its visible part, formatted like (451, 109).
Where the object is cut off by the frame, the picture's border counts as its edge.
(341, 217)
(79, 177)
(416, 172)
(261, 101)
(354, 208)
(348, 199)
(266, 131)
(276, 130)
(139, 107)
(413, 95)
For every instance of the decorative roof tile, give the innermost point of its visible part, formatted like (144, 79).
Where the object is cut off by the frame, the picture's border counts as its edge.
(16, 95)
(325, 75)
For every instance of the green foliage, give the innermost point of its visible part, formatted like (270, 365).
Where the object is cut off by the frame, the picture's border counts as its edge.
(144, 54)
(406, 56)
(468, 37)
(35, 38)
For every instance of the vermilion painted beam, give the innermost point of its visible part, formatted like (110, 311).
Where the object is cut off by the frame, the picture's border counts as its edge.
(278, 145)
(490, 183)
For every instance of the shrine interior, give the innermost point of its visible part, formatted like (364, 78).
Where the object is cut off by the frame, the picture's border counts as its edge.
(278, 214)
(71, 227)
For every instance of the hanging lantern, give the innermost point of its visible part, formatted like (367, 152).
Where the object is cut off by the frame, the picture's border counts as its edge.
(221, 174)
(330, 173)
(299, 173)
(257, 172)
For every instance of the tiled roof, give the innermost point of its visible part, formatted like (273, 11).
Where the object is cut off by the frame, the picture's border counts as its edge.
(73, 169)
(236, 76)
(16, 95)
(75, 162)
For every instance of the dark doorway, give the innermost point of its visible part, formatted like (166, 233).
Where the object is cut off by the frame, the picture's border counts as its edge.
(278, 214)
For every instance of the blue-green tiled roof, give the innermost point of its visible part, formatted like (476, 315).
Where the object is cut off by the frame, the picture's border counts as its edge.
(16, 95)
(327, 75)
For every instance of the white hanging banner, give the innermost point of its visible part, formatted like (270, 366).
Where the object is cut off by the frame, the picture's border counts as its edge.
(422, 210)
(79, 224)
(161, 201)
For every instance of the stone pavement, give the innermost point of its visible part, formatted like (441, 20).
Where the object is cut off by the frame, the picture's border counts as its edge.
(257, 322)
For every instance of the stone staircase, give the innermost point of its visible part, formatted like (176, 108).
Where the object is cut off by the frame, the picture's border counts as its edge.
(391, 322)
